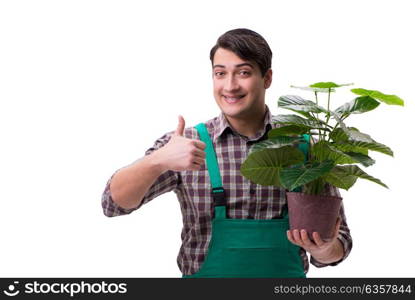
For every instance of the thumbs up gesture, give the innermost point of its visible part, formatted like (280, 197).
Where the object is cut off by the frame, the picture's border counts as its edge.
(180, 153)
(180, 127)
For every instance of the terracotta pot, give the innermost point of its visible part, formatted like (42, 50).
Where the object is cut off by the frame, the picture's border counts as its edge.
(313, 213)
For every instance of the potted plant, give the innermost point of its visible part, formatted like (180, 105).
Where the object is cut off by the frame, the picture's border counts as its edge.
(313, 148)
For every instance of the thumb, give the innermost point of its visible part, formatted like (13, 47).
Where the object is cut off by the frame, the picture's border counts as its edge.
(180, 127)
(337, 227)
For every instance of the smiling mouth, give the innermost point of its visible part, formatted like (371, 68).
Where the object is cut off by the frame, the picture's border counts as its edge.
(233, 99)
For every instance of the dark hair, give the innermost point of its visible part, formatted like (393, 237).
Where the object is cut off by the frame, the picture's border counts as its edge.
(248, 45)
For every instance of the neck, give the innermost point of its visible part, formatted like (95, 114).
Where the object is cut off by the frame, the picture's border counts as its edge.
(250, 125)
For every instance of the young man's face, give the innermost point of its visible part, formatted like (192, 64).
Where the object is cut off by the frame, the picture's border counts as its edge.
(238, 85)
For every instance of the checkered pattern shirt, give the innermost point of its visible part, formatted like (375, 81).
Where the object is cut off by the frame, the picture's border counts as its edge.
(245, 199)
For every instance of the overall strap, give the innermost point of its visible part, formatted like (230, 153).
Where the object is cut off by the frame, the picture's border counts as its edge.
(304, 146)
(218, 192)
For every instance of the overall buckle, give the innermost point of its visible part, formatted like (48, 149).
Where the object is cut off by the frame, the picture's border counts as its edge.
(219, 196)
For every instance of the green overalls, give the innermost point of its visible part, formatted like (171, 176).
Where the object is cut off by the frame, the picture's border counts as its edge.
(245, 247)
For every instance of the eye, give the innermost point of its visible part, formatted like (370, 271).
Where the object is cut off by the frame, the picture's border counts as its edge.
(245, 73)
(219, 73)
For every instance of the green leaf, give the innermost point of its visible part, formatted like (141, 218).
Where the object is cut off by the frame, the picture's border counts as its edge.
(338, 119)
(321, 87)
(361, 158)
(358, 105)
(346, 141)
(347, 134)
(300, 105)
(300, 175)
(353, 170)
(358, 136)
(352, 133)
(288, 130)
(297, 120)
(264, 167)
(388, 99)
(357, 146)
(327, 85)
(323, 150)
(276, 142)
(293, 100)
(340, 178)
(339, 135)
(311, 89)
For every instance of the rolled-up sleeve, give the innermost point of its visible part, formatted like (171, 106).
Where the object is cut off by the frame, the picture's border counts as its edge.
(344, 231)
(166, 182)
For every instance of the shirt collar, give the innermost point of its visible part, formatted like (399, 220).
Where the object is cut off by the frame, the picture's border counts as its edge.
(222, 124)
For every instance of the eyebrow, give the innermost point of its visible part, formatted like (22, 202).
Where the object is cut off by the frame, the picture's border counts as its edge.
(238, 65)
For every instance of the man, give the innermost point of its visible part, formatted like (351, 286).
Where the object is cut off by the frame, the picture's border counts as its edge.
(241, 71)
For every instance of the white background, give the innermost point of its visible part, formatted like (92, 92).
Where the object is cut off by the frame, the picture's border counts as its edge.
(87, 86)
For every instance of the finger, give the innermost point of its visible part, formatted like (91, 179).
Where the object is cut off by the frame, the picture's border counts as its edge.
(290, 237)
(338, 224)
(198, 160)
(180, 126)
(317, 239)
(305, 239)
(199, 144)
(199, 153)
(296, 236)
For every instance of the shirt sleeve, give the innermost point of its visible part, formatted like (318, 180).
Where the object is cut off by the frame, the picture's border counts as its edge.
(344, 232)
(166, 182)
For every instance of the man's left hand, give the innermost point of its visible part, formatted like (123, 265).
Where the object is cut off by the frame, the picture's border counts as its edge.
(323, 251)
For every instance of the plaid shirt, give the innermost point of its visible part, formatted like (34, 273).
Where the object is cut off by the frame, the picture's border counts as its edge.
(245, 199)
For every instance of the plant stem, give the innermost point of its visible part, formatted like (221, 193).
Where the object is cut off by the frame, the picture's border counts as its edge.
(319, 131)
(328, 113)
(309, 147)
(315, 187)
(328, 102)
(341, 120)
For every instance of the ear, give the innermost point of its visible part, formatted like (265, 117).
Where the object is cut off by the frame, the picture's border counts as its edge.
(268, 79)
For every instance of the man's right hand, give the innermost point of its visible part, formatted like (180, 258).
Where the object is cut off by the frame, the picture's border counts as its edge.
(180, 153)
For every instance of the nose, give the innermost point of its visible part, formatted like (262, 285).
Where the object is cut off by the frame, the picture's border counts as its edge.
(231, 84)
